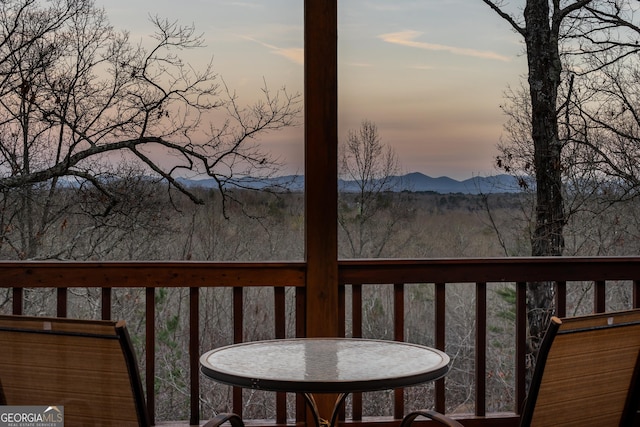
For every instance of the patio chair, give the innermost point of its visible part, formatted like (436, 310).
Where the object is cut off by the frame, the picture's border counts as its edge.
(586, 374)
(86, 366)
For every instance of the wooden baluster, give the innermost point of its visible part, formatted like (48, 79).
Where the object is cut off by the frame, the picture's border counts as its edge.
(481, 349)
(600, 296)
(561, 298)
(301, 298)
(61, 302)
(521, 345)
(106, 296)
(150, 352)
(280, 327)
(17, 299)
(398, 332)
(440, 342)
(194, 355)
(238, 333)
(356, 322)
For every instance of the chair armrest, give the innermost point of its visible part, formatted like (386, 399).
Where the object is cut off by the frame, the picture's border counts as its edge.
(442, 419)
(222, 418)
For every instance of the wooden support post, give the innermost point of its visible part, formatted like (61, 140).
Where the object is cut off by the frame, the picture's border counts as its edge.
(321, 173)
(321, 166)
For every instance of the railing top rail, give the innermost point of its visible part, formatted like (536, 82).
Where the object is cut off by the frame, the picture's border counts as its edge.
(149, 274)
(284, 273)
(463, 270)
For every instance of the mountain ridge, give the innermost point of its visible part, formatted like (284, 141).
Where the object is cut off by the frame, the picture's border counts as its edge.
(412, 182)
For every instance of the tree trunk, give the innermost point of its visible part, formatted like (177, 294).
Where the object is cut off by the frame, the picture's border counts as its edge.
(544, 63)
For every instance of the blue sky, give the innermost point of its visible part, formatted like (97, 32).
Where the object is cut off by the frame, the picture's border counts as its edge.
(430, 73)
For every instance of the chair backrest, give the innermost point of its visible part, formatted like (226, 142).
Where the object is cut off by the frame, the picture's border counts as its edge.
(88, 367)
(586, 372)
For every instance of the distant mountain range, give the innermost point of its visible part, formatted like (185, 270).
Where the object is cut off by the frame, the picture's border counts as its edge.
(415, 182)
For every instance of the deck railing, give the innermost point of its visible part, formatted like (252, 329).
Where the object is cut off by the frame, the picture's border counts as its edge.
(477, 276)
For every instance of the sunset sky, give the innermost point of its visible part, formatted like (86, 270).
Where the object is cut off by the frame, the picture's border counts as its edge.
(430, 74)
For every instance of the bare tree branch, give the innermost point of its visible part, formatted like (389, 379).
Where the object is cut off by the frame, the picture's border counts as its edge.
(77, 97)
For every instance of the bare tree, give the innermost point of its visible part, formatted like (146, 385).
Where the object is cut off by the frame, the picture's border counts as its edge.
(76, 96)
(365, 211)
(567, 43)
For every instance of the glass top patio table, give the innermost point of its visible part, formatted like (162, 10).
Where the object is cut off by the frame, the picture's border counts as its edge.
(324, 365)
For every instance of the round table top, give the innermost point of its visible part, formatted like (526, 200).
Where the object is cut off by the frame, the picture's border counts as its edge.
(324, 365)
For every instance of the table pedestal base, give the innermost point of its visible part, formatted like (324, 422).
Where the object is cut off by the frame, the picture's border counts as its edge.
(322, 422)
